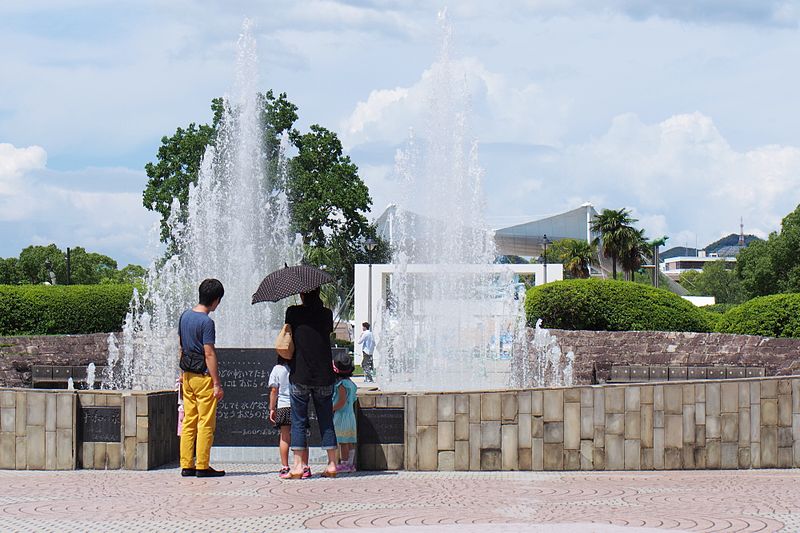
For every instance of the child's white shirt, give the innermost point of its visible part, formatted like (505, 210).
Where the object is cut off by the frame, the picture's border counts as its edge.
(279, 377)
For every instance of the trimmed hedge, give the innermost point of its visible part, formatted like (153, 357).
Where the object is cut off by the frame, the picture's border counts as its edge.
(61, 309)
(608, 305)
(777, 315)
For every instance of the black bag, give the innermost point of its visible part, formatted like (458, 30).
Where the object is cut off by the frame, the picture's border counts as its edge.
(193, 362)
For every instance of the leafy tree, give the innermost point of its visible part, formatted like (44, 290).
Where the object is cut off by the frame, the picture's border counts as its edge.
(10, 272)
(576, 256)
(614, 226)
(715, 280)
(33, 260)
(772, 266)
(128, 275)
(88, 268)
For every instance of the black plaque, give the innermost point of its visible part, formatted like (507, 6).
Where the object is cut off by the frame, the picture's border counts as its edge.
(100, 424)
(243, 413)
(381, 426)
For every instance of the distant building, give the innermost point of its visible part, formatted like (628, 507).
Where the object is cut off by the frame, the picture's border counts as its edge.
(673, 267)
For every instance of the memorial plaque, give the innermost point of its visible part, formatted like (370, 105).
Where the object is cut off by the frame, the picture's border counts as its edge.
(99, 424)
(381, 426)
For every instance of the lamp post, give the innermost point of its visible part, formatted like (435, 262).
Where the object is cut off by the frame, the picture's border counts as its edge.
(545, 242)
(370, 245)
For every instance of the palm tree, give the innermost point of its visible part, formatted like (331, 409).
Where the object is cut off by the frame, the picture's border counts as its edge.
(635, 251)
(614, 226)
(577, 256)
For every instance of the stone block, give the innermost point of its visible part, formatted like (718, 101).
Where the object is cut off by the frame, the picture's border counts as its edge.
(744, 395)
(784, 457)
(367, 401)
(769, 388)
(784, 387)
(755, 392)
(474, 408)
(633, 453)
(65, 411)
(632, 398)
(615, 424)
(646, 395)
(658, 398)
(769, 412)
(554, 432)
(525, 459)
(688, 424)
(673, 399)
(114, 455)
(8, 452)
(491, 406)
(587, 422)
(396, 401)
(446, 407)
(599, 458)
(50, 412)
(446, 436)
(365, 459)
(129, 453)
(729, 456)
(36, 444)
(8, 399)
(700, 435)
(713, 399)
(21, 449)
(615, 401)
(87, 455)
(769, 447)
(784, 410)
(115, 400)
(785, 439)
(510, 447)
(411, 460)
(587, 455)
(8, 419)
(142, 429)
(673, 458)
(700, 393)
(100, 459)
(524, 402)
(141, 405)
(572, 395)
(65, 449)
(796, 454)
(21, 414)
(381, 401)
(36, 408)
(572, 426)
(491, 460)
(490, 434)
(462, 426)
(446, 461)
(647, 460)
(615, 452)
(381, 450)
(410, 416)
(744, 427)
(537, 455)
(599, 440)
(475, 446)
(658, 419)
(427, 411)
(688, 393)
(729, 424)
(553, 456)
(599, 406)
(646, 425)
(633, 425)
(572, 460)
(143, 458)
(508, 408)
(462, 456)
(537, 427)
(796, 396)
(673, 431)
(50, 450)
(553, 406)
(755, 455)
(687, 457)
(796, 428)
(129, 419)
(537, 403)
(713, 427)
(700, 413)
(525, 434)
(427, 447)
(462, 404)
(587, 397)
(729, 402)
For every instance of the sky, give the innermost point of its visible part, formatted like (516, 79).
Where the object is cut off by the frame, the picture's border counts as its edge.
(683, 111)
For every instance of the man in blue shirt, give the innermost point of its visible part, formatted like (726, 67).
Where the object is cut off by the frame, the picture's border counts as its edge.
(200, 382)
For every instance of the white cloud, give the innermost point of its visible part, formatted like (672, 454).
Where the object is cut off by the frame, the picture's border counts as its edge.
(15, 162)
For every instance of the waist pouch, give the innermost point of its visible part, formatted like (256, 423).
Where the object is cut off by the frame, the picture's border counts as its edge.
(193, 362)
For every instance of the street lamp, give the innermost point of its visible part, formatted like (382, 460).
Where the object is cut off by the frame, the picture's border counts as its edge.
(545, 242)
(370, 244)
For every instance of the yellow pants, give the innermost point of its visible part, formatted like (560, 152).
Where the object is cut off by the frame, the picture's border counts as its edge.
(199, 420)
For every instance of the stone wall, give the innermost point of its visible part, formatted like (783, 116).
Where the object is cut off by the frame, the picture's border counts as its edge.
(596, 351)
(748, 423)
(17, 354)
(42, 430)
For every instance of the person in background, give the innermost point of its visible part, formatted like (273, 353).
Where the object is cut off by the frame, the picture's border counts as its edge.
(280, 410)
(199, 381)
(344, 416)
(367, 342)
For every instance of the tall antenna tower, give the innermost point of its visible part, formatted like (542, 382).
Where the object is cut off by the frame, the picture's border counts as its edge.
(741, 232)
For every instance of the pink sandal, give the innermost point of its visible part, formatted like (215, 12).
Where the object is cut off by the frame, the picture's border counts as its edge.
(284, 473)
(306, 473)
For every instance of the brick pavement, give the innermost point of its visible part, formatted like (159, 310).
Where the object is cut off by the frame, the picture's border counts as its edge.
(253, 498)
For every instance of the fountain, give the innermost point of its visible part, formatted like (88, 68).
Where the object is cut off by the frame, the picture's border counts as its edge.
(453, 319)
(236, 230)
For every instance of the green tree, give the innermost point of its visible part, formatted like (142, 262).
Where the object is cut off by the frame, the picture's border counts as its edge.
(772, 266)
(88, 268)
(576, 256)
(614, 227)
(128, 275)
(714, 280)
(10, 272)
(635, 251)
(33, 260)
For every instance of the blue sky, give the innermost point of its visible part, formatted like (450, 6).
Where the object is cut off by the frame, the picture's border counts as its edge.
(683, 111)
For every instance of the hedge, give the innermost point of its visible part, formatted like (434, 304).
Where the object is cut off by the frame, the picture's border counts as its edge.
(62, 309)
(777, 315)
(608, 305)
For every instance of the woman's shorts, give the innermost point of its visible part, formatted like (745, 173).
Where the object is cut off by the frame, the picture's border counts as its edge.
(283, 417)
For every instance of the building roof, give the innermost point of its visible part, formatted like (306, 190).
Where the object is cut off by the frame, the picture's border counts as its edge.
(528, 239)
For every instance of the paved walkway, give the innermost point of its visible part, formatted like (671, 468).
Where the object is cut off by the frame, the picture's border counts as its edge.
(250, 499)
